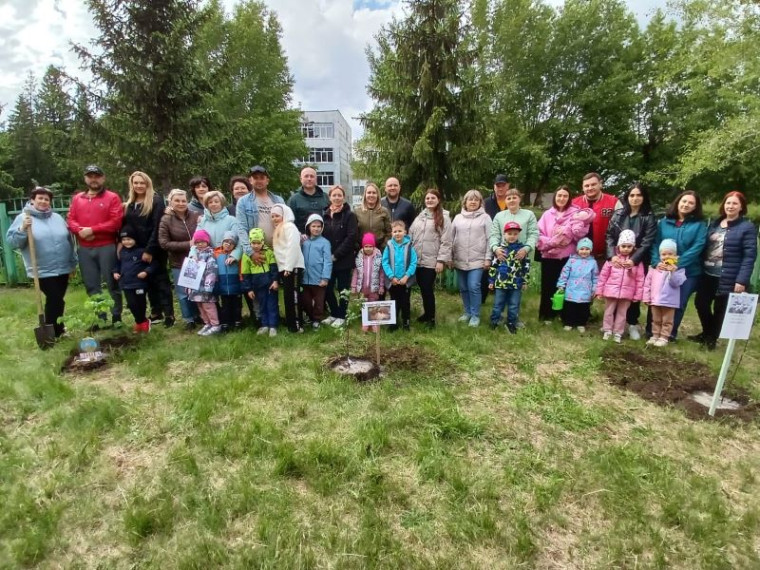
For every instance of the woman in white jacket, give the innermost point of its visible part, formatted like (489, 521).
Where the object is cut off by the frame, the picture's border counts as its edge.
(431, 239)
(471, 254)
(286, 245)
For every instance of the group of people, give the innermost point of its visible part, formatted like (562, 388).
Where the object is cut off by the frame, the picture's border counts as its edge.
(315, 246)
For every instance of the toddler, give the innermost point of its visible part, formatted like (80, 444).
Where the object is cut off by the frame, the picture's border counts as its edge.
(367, 278)
(578, 281)
(619, 286)
(399, 266)
(204, 296)
(317, 256)
(259, 281)
(228, 283)
(662, 292)
(508, 278)
(131, 272)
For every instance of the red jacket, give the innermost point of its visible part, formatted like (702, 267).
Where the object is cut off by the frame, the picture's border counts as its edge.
(102, 212)
(604, 207)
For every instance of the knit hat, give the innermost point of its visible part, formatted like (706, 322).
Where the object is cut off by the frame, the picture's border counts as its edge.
(669, 245)
(585, 242)
(512, 226)
(201, 235)
(627, 237)
(128, 232)
(256, 235)
(230, 236)
(368, 239)
(314, 218)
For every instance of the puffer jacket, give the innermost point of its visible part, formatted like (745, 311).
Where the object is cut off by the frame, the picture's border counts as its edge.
(317, 260)
(228, 276)
(578, 278)
(663, 288)
(739, 254)
(175, 235)
(469, 239)
(376, 221)
(220, 223)
(430, 245)
(342, 231)
(54, 244)
(397, 263)
(129, 264)
(375, 271)
(690, 237)
(287, 243)
(559, 232)
(619, 283)
(645, 228)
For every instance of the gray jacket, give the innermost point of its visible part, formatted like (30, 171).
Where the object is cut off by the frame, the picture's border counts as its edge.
(430, 245)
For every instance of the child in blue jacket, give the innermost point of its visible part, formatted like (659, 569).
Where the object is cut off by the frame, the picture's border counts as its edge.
(131, 272)
(259, 281)
(508, 278)
(228, 284)
(578, 280)
(317, 256)
(399, 265)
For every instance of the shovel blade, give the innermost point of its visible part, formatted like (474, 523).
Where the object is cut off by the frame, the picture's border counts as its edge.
(45, 336)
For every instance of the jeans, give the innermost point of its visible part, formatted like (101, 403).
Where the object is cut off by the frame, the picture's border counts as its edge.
(269, 311)
(688, 287)
(511, 298)
(188, 309)
(469, 288)
(96, 265)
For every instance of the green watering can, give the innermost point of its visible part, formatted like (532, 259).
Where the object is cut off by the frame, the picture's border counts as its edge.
(558, 300)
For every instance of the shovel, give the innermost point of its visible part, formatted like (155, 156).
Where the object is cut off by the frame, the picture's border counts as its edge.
(45, 334)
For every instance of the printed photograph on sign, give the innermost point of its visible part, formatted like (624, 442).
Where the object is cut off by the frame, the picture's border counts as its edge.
(379, 313)
(191, 273)
(740, 314)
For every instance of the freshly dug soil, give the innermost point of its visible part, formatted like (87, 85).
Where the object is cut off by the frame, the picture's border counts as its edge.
(662, 378)
(110, 347)
(361, 369)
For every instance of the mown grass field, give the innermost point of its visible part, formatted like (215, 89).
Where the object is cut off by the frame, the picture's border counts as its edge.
(484, 450)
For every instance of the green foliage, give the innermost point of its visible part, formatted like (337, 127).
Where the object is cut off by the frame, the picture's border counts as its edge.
(90, 314)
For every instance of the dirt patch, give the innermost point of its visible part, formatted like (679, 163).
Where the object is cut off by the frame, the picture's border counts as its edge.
(111, 347)
(360, 369)
(662, 378)
(408, 358)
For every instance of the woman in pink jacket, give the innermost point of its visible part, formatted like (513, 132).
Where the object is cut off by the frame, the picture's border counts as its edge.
(619, 286)
(559, 230)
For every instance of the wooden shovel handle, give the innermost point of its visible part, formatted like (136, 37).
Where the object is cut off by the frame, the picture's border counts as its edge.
(33, 254)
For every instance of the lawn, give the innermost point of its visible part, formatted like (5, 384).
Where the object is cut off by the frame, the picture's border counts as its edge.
(476, 449)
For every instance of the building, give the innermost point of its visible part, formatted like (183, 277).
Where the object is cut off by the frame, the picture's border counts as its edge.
(328, 137)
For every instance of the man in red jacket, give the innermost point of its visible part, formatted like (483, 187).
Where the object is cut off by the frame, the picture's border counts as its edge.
(604, 205)
(95, 219)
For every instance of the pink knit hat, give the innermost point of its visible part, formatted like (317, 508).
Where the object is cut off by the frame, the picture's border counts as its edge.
(201, 235)
(368, 239)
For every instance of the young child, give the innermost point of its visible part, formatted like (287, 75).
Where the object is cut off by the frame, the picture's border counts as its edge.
(259, 281)
(317, 256)
(367, 278)
(399, 265)
(228, 284)
(662, 292)
(619, 286)
(204, 296)
(132, 274)
(508, 278)
(578, 281)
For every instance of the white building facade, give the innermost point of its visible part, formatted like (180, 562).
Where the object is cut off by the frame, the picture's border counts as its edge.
(328, 137)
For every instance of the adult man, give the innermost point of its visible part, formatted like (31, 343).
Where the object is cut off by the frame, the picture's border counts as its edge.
(604, 205)
(308, 199)
(95, 218)
(497, 201)
(254, 208)
(400, 208)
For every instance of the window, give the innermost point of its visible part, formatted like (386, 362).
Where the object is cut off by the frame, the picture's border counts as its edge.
(325, 178)
(320, 155)
(318, 130)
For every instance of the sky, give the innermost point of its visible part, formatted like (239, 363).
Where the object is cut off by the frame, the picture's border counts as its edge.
(324, 41)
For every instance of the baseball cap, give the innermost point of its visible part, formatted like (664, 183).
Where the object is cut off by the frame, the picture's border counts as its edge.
(501, 179)
(258, 169)
(512, 226)
(93, 169)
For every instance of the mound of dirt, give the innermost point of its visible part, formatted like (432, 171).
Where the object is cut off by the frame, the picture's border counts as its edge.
(361, 369)
(111, 347)
(662, 378)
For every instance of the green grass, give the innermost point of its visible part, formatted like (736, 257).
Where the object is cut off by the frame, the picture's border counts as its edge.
(491, 451)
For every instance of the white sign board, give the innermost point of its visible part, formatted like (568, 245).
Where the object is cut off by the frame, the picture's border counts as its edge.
(740, 314)
(191, 274)
(378, 313)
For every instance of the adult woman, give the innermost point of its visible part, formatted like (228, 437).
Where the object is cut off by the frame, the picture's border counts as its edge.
(431, 239)
(559, 230)
(372, 217)
(175, 236)
(239, 187)
(217, 221)
(684, 223)
(55, 251)
(728, 261)
(199, 187)
(637, 216)
(286, 245)
(342, 231)
(514, 213)
(143, 211)
(470, 253)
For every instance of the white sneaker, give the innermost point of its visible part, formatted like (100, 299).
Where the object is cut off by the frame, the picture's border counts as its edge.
(618, 338)
(607, 335)
(633, 332)
(213, 330)
(661, 342)
(464, 318)
(315, 325)
(328, 321)
(474, 322)
(567, 328)
(262, 330)
(581, 330)
(337, 323)
(272, 331)
(202, 332)
(652, 341)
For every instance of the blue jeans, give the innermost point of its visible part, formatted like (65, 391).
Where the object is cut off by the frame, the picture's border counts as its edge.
(188, 309)
(469, 288)
(687, 289)
(511, 298)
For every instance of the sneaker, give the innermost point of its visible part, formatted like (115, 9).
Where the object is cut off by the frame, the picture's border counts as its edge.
(512, 329)
(315, 325)
(618, 338)
(328, 321)
(272, 331)
(213, 330)
(652, 341)
(263, 330)
(661, 342)
(189, 325)
(464, 318)
(423, 319)
(567, 328)
(700, 338)
(169, 322)
(337, 323)
(203, 330)
(607, 335)
(520, 325)
(474, 322)
(547, 323)
(581, 330)
(711, 343)
(156, 319)
(634, 333)
(136, 328)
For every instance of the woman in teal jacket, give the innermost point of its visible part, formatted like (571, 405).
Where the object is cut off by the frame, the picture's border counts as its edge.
(684, 223)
